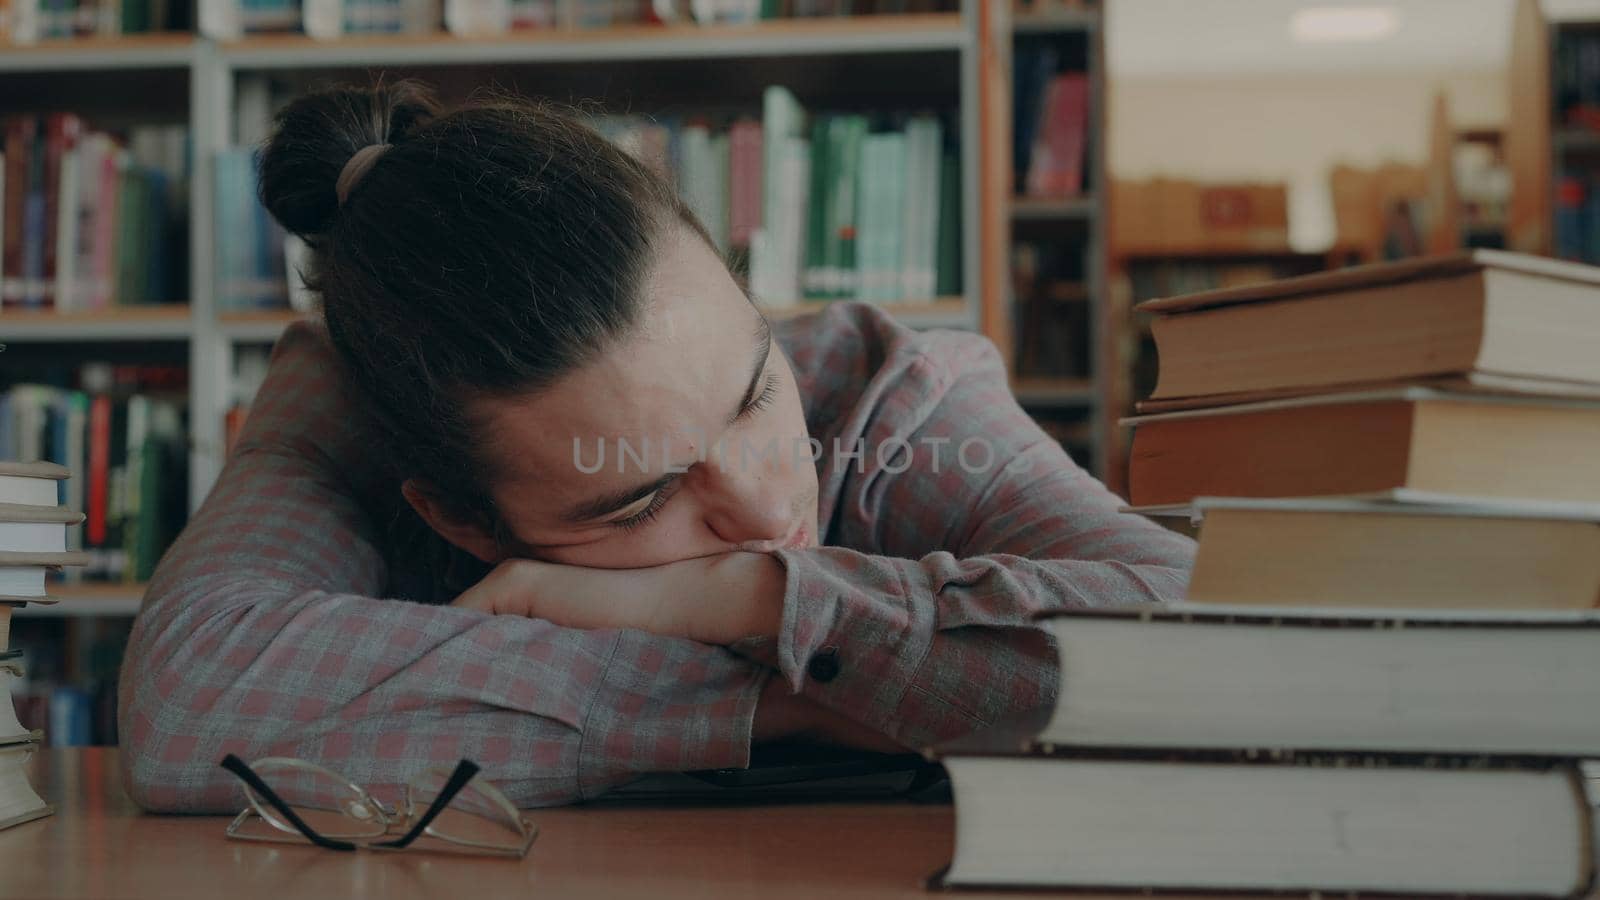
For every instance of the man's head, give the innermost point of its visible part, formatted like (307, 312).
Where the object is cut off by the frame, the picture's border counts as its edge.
(564, 366)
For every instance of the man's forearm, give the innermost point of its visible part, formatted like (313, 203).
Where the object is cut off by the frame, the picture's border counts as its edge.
(785, 716)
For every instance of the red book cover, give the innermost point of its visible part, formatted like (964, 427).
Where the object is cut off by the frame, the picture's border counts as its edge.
(1057, 166)
(18, 141)
(99, 470)
(61, 136)
(744, 181)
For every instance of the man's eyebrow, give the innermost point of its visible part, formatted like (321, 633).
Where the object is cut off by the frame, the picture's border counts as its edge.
(605, 504)
(763, 350)
(597, 507)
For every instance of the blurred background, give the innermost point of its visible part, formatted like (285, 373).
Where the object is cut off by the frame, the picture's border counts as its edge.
(1029, 170)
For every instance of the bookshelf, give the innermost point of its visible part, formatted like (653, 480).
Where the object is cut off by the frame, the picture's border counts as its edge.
(1552, 141)
(950, 61)
(1053, 311)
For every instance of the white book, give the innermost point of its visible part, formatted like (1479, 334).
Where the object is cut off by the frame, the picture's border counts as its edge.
(476, 18)
(1341, 680)
(18, 801)
(323, 19)
(33, 537)
(11, 730)
(22, 581)
(1462, 827)
(794, 191)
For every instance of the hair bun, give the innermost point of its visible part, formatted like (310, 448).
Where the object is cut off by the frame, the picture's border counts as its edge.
(317, 134)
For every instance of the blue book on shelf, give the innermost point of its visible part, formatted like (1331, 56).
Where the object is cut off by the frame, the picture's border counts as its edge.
(70, 718)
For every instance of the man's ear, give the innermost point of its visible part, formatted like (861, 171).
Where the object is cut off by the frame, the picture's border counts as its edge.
(469, 536)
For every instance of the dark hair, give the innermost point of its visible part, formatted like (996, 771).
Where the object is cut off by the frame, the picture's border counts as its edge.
(488, 251)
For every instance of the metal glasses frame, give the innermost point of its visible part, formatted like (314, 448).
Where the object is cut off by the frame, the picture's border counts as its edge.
(267, 804)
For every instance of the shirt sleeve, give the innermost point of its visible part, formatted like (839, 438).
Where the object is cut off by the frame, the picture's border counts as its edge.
(958, 521)
(263, 634)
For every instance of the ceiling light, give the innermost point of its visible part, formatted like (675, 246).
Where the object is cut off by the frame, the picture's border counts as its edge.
(1330, 24)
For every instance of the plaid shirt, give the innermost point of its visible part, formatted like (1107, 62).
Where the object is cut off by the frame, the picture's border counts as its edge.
(275, 626)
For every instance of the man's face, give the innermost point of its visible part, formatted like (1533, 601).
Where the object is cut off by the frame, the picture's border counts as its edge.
(685, 438)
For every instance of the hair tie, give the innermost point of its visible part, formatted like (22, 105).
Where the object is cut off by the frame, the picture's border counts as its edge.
(356, 169)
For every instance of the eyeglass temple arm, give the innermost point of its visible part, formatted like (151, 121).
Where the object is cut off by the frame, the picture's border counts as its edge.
(458, 780)
(238, 767)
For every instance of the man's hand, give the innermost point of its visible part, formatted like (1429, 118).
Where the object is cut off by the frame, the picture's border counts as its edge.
(715, 599)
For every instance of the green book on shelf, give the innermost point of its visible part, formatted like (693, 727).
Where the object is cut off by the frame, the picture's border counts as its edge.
(950, 249)
(846, 138)
(883, 162)
(813, 276)
(130, 213)
(918, 276)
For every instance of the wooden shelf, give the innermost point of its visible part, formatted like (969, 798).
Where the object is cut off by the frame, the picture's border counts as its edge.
(1040, 209)
(785, 37)
(88, 599)
(1056, 21)
(942, 312)
(134, 51)
(165, 321)
(258, 327)
(1055, 393)
(1575, 140)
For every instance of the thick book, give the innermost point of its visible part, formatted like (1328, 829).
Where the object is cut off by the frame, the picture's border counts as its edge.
(18, 801)
(1376, 553)
(1328, 680)
(1404, 438)
(35, 529)
(31, 483)
(1226, 822)
(1503, 314)
(11, 729)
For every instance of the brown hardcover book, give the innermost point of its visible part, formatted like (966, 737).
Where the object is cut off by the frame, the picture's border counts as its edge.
(1380, 554)
(1409, 438)
(19, 138)
(1485, 311)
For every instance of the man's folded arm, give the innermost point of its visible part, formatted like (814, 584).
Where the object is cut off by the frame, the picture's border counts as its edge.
(263, 634)
(934, 636)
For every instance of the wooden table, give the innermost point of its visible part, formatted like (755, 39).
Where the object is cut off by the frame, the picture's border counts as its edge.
(99, 845)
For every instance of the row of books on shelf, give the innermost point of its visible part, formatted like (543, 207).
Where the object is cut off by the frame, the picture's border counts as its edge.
(824, 206)
(1577, 216)
(124, 428)
(1050, 315)
(91, 219)
(26, 21)
(1050, 123)
(1576, 78)
(1384, 672)
(331, 19)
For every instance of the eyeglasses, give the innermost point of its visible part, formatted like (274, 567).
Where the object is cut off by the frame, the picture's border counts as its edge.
(458, 811)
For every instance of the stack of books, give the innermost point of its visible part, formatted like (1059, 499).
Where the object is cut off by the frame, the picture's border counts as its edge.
(1386, 671)
(33, 541)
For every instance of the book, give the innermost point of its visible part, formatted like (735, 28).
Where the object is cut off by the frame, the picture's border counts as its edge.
(1220, 821)
(1483, 311)
(35, 529)
(1414, 438)
(11, 729)
(23, 581)
(1421, 555)
(18, 801)
(1055, 167)
(32, 483)
(1521, 683)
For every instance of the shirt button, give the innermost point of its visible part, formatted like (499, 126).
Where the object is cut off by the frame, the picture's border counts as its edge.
(824, 665)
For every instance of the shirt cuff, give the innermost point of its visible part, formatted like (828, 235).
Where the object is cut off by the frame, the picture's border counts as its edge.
(667, 705)
(852, 638)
